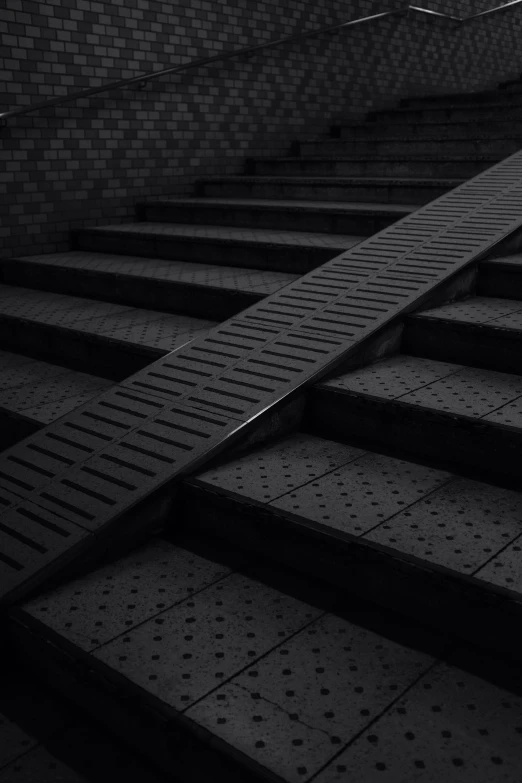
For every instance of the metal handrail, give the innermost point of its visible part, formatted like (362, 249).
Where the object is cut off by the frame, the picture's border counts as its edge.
(461, 19)
(143, 78)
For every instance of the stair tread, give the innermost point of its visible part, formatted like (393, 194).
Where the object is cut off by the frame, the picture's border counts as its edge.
(376, 498)
(514, 260)
(491, 396)
(136, 326)
(384, 158)
(234, 234)
(183, 272)
(41, 391)
(444, 121)
(478, 310)
(457, 106)
(412, 138)
(334, 180)
(250, 661)
(276, 204)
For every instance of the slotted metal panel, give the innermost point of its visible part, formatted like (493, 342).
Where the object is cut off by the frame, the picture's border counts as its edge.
(172, 416)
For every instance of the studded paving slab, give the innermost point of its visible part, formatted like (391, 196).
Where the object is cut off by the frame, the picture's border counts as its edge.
(297, 694)
(120, 323)
(263, 282)
(344, 492)
(169, 418)
(41, 391)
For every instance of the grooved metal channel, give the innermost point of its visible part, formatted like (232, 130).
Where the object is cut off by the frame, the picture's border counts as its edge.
(68, 486)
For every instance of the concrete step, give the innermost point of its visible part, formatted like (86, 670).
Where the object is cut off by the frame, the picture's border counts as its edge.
(108, 340)
(369, 189)
(318, 216)
(414, 539)
(501, 277)
(295, 252)
(494, 110)
(480, 331)
(199, 290)
(439, 166)
(450, 415)
(35, 393)
(411, 146)
(45, 739)
(511, 88)
(428, 129)
(484, 96)
(213, 671)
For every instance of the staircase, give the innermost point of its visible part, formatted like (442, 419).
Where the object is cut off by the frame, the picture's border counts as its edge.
(343, 602)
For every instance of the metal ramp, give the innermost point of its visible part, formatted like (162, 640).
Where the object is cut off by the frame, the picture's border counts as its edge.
(69, 487)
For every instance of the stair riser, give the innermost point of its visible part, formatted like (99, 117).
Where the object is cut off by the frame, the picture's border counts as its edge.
(432, 597)
(463, 445)
(168, 740)
(14, 428)
(498, 280)
(492, 130)
(506, 112)
(513, 88)
(181, 298)
(467, 344)
(377, 168)
(443, 147)
(298, 260)
(388, 194)
(85, 353)
(445, 100)
(284, 219)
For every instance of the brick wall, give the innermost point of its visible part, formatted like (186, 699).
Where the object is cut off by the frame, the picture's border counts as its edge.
(89, 162)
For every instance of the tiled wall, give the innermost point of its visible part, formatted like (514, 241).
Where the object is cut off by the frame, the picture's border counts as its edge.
(89, 162)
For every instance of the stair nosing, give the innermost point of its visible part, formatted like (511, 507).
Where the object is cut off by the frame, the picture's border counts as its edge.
(273, 205)
(102, 230)
(368, 181)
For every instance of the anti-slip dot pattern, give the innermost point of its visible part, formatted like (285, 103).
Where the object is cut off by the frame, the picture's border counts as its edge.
(186, 651)
(476, 310)
(505, 569)
(37, 393)
(17, 370)
(181, 272)
(295, 687)
(461, 525)
(510, 414)
(449, 726)
(510, 321)
(157, 330)
(468, 392)
(102, 605)
(49, 412)
(272, 471)
(362, 494)
(296, 708)
(203, 393)
(393, 377)
(132, 325)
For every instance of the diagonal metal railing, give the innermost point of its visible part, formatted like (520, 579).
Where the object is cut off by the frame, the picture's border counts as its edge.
(142, 79)
(70, 487)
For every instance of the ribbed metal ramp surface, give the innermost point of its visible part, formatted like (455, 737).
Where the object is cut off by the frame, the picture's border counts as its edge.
(70, 485)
